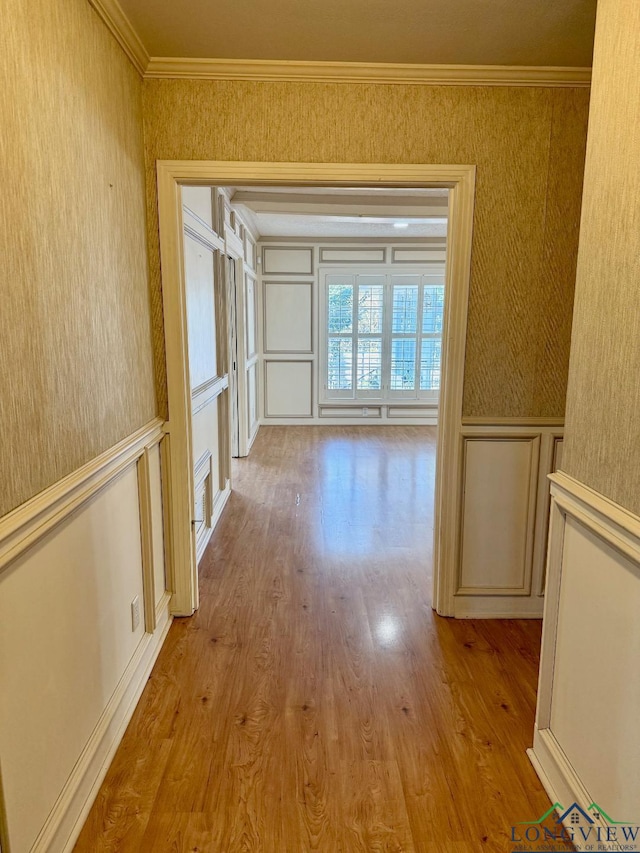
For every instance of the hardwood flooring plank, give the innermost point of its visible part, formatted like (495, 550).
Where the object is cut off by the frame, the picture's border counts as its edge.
(315, 702)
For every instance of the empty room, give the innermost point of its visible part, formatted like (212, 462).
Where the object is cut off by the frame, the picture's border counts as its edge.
(319, 494)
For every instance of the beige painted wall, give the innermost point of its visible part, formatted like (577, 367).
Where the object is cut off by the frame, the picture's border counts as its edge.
(528, 144)
(76, 370)
(603, 435)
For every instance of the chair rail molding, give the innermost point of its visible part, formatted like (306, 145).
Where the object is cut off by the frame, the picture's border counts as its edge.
(22, 527)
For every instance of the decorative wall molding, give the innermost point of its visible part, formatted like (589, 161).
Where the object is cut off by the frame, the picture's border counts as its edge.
(288, 362)
(74, 803)
(362, 72)
(266, 70)
(287, 260)
(120, 26)
(581, 515)
(523, 421)
(303, 292)
(146, 540)
(352, 255)
(480, 497)
(25, 525)
(523, 598)
(207, 392)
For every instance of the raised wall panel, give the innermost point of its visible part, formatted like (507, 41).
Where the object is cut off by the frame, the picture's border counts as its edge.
(373, 412)
(499, 479)
(288, 389)
(203, 502)
(417, 256)
(288, 317)
(205, 435)
(595, 705)
(251, 319)
(199, 201)
(157, 523)
(356, 255)
(557, 454)
(66, 639)
(412, 411)
(252, 396)
(250, 249)
(287, 260)
(199, 277)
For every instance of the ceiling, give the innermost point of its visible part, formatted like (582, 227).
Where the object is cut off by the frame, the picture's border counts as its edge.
(343, 213)
(449, 32)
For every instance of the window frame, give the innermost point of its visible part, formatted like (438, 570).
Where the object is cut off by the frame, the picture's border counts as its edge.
(388, 276)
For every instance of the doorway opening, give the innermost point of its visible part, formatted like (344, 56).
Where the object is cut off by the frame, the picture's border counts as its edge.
(340, 328)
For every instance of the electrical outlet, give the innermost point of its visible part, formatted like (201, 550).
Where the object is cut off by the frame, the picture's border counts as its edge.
(365, 412)
(135, 613)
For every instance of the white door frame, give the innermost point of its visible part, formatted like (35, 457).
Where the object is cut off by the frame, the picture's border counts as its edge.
(460, 180)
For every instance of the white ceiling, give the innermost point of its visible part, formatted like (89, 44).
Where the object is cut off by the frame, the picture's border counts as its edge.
(466, 32)
(343, 213)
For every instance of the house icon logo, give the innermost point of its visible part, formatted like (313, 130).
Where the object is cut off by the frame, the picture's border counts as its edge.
(587, 829)
(574, 815)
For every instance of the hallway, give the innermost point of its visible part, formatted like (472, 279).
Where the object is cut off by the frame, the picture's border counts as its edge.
(315, 702)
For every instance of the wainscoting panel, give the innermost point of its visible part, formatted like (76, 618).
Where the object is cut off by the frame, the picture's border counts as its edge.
(586, 745)
(413, 256)
(288, 317)
(287, 260)
(72, 659)
(500, 476)
(503, 518)
(288, 389)
(363, 255)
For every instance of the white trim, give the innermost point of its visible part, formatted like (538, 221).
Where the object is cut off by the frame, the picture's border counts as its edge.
(519, 422)
(25, 525)
(259, 70)
(524, 589)
(449, 447)
(179, 426)
(555, 771)
(70, 811)
(618, 528)
(146, 540)
(386, 272)
(460, 179)
(268, 70)
(219, 503)
(528, 603)
(112, 14)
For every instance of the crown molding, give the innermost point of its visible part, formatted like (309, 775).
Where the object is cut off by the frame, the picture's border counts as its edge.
(256, 70)
(120, 26)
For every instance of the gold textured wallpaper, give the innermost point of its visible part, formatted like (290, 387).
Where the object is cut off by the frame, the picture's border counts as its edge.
(602, 445)
(528, 144)
(76, 372)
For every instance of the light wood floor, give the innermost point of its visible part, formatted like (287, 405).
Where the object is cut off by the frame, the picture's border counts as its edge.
(315, 702)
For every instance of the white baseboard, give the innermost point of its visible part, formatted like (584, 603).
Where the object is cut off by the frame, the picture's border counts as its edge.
(558, 777)
(372, 422)
(488, 607)
(253, 436)
(63, 826)
(219, 504)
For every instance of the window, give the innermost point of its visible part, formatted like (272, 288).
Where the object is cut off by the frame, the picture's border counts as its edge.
(382, 335)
